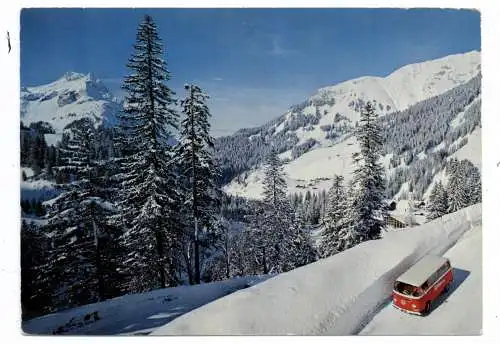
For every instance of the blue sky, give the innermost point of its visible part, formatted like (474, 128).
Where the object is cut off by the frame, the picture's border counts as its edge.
(254, 63)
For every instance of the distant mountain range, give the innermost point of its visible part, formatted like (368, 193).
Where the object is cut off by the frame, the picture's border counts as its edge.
(314, 137)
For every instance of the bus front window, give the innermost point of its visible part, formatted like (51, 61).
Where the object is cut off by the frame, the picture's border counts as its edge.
(404, 288)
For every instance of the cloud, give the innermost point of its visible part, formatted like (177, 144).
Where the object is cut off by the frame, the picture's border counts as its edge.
(271, 45)
(277, 49)
(218, 79)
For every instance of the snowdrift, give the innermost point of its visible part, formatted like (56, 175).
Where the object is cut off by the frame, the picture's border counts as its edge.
(334, 296)
(137, 313)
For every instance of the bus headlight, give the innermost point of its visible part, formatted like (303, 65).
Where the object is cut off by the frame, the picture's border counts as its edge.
(413, 305)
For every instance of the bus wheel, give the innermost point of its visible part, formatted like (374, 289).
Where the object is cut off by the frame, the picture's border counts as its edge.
(427, 308)
(447, 288)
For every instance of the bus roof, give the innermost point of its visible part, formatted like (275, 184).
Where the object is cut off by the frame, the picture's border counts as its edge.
(422, 270)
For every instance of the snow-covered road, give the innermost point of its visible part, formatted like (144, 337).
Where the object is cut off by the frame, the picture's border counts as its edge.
(459, 312)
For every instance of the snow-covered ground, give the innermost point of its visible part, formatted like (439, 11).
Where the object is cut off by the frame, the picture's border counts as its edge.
(472, 150)
(38, 190)
(312, 171)
(138, 313)
(458, 312)
(334, 296)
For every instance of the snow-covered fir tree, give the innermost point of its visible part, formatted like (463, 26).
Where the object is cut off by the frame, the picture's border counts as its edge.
(35, 294)
(199, 175)
(368, 209)
(281, 244)
(473, 182)
(438, 202)
(335, 218)
(303, 251)
(274, 183)
(464, 184)
(216, 265)
(277, 214)
(150, 199)
(81, 264)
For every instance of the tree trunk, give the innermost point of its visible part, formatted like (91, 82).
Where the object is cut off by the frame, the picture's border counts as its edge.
(195, 197)
(196, 252)
(264, 263)
(187, 259)
(98, 264)
(226, 247)
(160, 263)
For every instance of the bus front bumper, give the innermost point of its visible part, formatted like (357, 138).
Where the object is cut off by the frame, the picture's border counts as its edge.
(406, 310)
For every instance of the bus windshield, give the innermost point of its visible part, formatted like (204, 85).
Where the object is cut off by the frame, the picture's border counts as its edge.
(407, 289)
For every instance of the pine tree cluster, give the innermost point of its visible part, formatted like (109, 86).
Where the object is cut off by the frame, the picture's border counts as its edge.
(463, 189)
(358, 213)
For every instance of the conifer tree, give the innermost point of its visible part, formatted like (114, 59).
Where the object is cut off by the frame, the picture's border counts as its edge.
(35, 296)
(368, 208)
(335, 218)
(80, 263)
(438, 202)
(199, 173)
(464, 185)
(150, 198)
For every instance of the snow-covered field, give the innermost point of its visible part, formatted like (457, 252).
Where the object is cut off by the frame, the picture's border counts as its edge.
(138, 313)
(334, 296)
(313, 171)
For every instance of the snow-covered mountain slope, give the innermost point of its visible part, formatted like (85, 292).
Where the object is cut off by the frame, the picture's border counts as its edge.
(318, 299)
(472, 150)
(402, 88)
(72, 97)
(315, 138)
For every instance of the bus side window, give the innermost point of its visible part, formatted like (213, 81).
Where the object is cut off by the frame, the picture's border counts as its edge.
(433, 278)
(443, 269)
(425, 286)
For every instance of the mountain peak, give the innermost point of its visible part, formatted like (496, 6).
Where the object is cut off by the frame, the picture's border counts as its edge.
(69, 98)
(70, 76)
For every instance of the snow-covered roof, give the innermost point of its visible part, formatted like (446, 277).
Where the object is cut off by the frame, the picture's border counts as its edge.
(421, 271)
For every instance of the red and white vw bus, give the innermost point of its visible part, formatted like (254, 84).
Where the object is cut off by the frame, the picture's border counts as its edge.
(416, 289)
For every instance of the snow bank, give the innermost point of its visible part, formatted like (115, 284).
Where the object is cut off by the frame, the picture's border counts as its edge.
(334, 296)
(137, 313)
